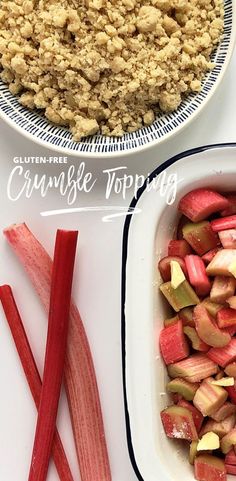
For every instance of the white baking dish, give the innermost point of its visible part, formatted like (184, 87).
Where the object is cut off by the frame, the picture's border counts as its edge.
(146, 236)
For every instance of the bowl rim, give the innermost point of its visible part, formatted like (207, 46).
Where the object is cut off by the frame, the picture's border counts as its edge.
(142, 148)
(125, 239)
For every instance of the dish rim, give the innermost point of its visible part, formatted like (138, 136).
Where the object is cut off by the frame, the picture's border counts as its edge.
(151, 144)
(125, 239)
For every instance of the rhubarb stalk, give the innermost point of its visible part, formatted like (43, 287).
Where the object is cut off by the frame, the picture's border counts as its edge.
(82, 391)
(58, 324)
(31, 373)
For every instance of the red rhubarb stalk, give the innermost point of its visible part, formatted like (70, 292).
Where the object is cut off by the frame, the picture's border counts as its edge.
(32, 373)
(82, 391)
(58, 323)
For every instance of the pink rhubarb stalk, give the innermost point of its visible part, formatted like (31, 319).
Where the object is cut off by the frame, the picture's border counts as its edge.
(32, 373)
(58, 323)
(82, 391)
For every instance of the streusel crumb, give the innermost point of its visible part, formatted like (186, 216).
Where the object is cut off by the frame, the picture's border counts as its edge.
(106, 66)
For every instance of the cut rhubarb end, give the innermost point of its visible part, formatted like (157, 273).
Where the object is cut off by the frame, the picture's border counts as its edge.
(226, 410)
(211, 307)
(164, 266)
(179, 248)
(194, 368)
(232, 302)
(178, 423)
(186, 389)
(232, 205)
(209, 468)
(173, 344)
(200, 237)
(209, 441)
(199, 204)
(186, 314)
(31, 372)
(228, 238)
(230, 369)
(230, 469)
(224, 355)
(220, 265)
(220, 428)
(228, 441)
(223, 287)
(197, 343)
(171, 321)
(226, 317)
(193, 451)
(225, 223)
(177, 275)
(81, 382)
(197, 416)
(209, 398)
(207, 258)
(230, 457)
(181, 297)
(197, 274)
(207, 328)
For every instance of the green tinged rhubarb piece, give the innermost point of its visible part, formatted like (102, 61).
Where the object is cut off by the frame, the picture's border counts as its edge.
(196, 342)
(193, 451)
(208, 330)
(209, 398)
(186, 314)
(181, 297)
(228, 441)
(171, 321)
(177, 275)
(200, 236)
(194, 368)
(222, 262)
(208, 442)
(183, 387)
(211, 307)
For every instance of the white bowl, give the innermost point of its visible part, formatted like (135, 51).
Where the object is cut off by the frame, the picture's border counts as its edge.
(145, 240)
(37, 128)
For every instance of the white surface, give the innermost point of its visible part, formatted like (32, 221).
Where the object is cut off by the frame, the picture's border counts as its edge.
(146, 374)
(98, 277)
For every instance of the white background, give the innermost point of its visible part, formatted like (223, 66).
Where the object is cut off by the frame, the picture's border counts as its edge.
(96, 288)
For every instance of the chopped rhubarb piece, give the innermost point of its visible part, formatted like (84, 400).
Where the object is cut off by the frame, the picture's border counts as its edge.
(209, 442)
(178, 423)
(183, 296)
(230, 457)
(171, 321)
(209, 398)
(209, 468)
(184, 388)
(31, 372)
(197, 416)
(224, 382)
(230, 369)
(197, 343)
(211, 307)
(164, 266)
(197, 274)
(228, 238)
(58, 324)
(232, 302)
(173, 343)
(201, 237)
(194, 368)
(224, 412)
(230, 469)
(186, 314)
(177, 275)
(199, 204)
(226, 317)
(207, 258)
(207, 328)
(223, 355)
(82, 390)
(193, 451)
(232, 393)
(232, 204)
(228, 441)
(179, 248)
(220, 265)
(225, 223)
(222, 288)
(220, 428)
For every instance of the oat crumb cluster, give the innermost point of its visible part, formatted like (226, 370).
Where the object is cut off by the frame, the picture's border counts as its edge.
(106, 66)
